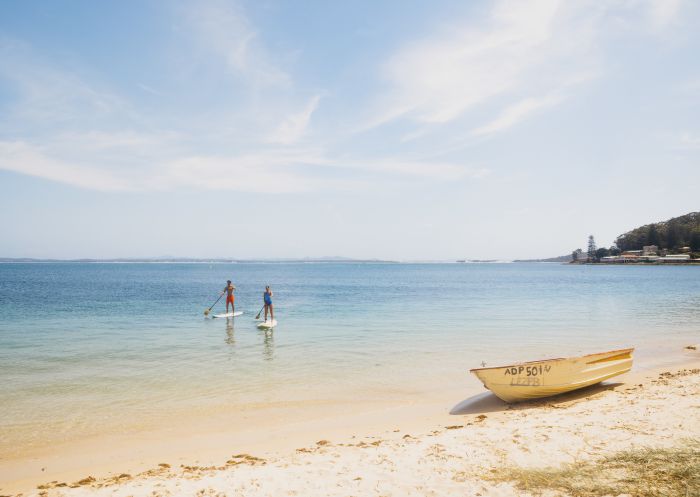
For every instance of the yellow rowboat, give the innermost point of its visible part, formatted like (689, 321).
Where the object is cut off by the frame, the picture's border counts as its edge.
(532, 380)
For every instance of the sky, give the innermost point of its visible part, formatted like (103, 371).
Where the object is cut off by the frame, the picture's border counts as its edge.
(401, 130)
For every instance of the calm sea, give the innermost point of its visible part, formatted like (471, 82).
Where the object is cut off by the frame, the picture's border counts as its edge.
(92, 347)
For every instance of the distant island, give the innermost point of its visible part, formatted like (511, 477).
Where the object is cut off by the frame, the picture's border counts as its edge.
(482, 261)
(193, 260)
(560, 259)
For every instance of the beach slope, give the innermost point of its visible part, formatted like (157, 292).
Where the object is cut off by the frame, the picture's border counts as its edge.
(487, 451)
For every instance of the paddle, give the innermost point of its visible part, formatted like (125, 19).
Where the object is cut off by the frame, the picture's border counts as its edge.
(261, 309)
(206, 313)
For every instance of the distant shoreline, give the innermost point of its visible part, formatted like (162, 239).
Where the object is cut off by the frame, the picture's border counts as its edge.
(325, 261)
(690, 263)
(8, 260)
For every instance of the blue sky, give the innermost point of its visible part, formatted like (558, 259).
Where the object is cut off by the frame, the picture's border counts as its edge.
(401, 130)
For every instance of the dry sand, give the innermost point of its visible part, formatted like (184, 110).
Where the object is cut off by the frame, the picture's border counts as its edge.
(423, 454)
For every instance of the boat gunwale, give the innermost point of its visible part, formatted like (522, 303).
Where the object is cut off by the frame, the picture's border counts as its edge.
(631, 349)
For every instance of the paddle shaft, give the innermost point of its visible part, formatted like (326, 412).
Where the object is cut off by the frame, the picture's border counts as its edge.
(217, 300)
(261, 309)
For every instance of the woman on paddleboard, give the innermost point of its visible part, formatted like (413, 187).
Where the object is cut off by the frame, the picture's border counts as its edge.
(230, 298)
(267, 298)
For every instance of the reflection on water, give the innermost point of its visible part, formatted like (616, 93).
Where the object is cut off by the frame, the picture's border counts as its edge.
(268, 344)
(230, 338)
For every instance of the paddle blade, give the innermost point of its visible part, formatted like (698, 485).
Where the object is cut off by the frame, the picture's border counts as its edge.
(206, 312)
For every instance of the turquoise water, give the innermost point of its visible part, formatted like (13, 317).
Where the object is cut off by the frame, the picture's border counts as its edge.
(91, 347)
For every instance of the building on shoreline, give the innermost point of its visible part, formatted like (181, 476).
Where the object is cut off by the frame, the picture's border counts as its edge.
(675, 258)
(632, 258)
(650, 250)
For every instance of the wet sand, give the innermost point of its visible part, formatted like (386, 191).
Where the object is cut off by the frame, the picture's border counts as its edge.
(442, 444)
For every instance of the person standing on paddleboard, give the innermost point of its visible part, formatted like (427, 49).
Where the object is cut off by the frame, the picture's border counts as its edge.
(230, 298)
(267, 298)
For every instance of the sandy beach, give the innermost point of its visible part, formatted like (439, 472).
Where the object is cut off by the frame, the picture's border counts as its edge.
(345, 249)
(424, 450)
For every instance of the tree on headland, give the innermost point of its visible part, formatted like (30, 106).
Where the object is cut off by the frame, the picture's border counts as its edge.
(615, 251)
(695, 240)
(591, 248)
(670, 235)
(576, 255)
(653, 236)
(601, 252)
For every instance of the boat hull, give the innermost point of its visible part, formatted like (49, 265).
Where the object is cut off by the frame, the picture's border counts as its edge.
(537, 379)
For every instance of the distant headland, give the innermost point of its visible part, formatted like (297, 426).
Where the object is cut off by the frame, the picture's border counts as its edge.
(674, 241)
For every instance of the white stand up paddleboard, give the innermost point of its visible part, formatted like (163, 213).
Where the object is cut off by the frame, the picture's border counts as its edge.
(266, 325)
(228, 315)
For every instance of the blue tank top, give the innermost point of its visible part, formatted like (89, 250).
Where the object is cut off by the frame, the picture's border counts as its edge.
(268, 299)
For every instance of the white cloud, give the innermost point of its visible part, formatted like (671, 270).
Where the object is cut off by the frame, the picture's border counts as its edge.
(437, 79)
(663, 13)
(426, 169)
(517, 49)
(689, 141)
(688, 89)
(224, 29)
(517, 112)
(138, 168)
(48, 95)
(128, 153)
(266, 172)
(294, 126)
(121, 139)
(262, 173)
(23, 158)
(150, 90)
(513, 63)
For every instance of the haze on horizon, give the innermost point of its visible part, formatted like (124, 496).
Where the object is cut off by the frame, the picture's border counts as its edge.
(403, 131)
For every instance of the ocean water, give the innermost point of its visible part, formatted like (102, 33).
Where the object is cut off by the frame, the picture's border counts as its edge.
(88, 348)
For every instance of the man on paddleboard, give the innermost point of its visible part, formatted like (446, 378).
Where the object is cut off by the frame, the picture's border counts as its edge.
(267, 298)
(230, 298)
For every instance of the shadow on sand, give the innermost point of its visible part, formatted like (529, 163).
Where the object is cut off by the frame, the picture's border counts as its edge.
(488, 402)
